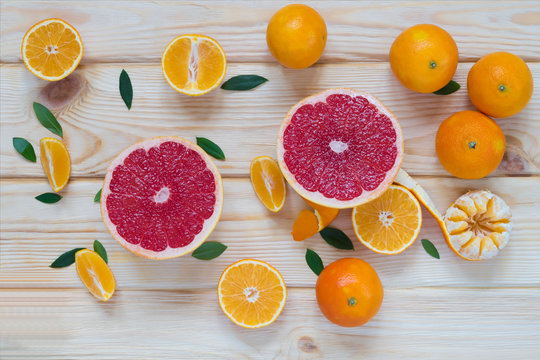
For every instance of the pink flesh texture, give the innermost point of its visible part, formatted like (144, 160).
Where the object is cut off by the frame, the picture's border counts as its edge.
(175, 222)
(370, 152)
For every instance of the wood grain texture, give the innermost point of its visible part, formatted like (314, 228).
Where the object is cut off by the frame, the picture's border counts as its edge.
(97, 125)
(139, 31)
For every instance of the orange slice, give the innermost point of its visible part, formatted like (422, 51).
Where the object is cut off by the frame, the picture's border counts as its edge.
(52, 49)
(390, 223)
(95, 274)
(309, 223)
(268, 182)
(193, 64)
(55, 162)
(251, 293)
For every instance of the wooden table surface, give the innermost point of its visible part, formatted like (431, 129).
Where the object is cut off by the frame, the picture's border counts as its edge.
(433, 309)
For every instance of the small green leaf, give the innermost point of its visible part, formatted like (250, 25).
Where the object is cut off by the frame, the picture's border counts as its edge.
(448, 89)
(243, 82)
(97, 198)
(65, 259)
(211, 148)
(100, 249)
(336, 238)
(430, 248)
(314, 261)
(209, 250)
(24, 148)
(126, 90)
(48, 198)
(47, 119)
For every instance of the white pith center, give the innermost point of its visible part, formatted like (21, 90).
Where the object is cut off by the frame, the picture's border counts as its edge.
(338, 146)
(193, 66)
(162, 195)
(252, 294)
(386, 218)
(51, 49)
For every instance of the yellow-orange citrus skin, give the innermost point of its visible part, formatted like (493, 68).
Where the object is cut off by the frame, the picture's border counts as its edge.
(55, 161)
(95, 274)
(500, 84)
(296, 36)
(470, 145)
(349, 292)
(424, 58)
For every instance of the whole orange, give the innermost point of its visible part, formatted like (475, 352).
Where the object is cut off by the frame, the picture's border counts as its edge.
(349, 292)
(424, 58)
(296, 36)
(500, 84)
(470, 145)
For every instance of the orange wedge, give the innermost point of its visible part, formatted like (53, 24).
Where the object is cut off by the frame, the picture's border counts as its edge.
(268, 182)
(390, 223)
(193, 64)
(95, 274)
(251, 293)
(55, 162)
(52, 49)
(309, 223)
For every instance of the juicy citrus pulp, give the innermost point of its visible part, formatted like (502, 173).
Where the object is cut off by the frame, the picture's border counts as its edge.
(52, 49)
(95, 274)
(309, 223)
(251, 293)
(193, 64)
(55, 161)
(390, 223)
(268, 182)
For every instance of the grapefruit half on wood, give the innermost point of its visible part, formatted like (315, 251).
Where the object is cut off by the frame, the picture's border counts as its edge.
(340, 148)
(162, 197)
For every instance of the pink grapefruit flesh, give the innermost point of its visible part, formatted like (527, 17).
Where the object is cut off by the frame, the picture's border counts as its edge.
(340, 148)
(162, 197)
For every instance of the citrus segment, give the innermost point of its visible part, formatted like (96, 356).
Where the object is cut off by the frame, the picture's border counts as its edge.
(305, 226)
(251, 293)
(95, 274)
(389, 224)
(193, 64)
(162, 197)
(340, 148)
(52, 49)
(55, 161)
(268, 182)
(324, 214)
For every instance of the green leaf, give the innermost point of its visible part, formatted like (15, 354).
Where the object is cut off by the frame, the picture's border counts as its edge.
(65, 259)
(100, 249)
(448, 89)
(97, 198)
(243, 82)
(336, 238)
(48, 198)
(430, 248)
(47, 119)
(209, 250)
(314, 261)
(24, 148)
(211, 148)
(126, 90)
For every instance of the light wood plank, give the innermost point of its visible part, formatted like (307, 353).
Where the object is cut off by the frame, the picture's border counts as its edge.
(97, 125)
(117, 31)
(34, 234)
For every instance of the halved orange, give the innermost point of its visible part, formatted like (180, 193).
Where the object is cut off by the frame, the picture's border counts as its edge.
(193, 64)
(309, 223)
(390, 223)
(268, 182)
(55, 161)
(95, 274)
(52, 49)
(251, 293)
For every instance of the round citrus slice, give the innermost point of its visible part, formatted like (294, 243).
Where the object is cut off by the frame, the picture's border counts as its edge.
(479, 225)
(193, 64)
(52, 49)
(340, 148)
(251, 293)
(268, 182)
(55, 161)
(389, 224)
(162, 197)
(95, 274)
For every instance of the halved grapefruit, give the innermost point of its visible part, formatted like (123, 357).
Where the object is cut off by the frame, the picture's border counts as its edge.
(340, 148)
(162, 197)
